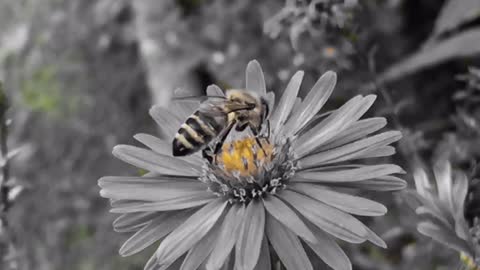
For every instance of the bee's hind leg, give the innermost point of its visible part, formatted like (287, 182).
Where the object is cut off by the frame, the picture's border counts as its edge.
(208, 154)
(223, 136)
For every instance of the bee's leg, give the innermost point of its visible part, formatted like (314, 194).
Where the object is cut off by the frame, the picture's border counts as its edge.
(255, 133)
(223, 136)
(268, 131)
(207, 154)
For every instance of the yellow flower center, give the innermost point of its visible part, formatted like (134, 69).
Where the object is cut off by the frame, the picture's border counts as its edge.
(245, 156)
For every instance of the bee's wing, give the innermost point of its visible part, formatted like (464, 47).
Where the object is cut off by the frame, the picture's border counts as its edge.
(198, 98)
(218, 107)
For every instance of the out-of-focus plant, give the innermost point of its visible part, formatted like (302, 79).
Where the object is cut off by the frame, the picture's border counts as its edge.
(325, 24)
(463, 145)
(9, 190)
(441, 211)
(43, 92)
(451, 39)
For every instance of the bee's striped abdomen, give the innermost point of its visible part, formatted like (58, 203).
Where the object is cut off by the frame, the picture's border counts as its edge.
(194, 134)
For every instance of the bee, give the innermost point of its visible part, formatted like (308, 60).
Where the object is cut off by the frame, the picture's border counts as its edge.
(216, 117)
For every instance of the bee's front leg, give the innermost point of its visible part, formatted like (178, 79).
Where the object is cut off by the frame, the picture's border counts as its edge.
(255, 133)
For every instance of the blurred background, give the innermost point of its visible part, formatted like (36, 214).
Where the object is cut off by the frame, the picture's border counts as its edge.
(81, 76)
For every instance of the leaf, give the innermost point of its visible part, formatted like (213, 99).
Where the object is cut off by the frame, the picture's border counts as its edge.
(454, 13)
(444, 236)
(461, 45)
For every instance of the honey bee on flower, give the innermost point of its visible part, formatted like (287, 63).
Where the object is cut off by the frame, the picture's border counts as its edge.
(277, 184)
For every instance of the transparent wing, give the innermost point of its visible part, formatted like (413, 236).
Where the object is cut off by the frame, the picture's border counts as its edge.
(218, 107)
(198, 98)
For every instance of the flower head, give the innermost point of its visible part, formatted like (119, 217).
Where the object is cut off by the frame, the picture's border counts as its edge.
(279, 187)
(442, 212)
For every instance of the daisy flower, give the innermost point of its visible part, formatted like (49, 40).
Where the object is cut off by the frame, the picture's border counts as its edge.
(232, 212)
(442, 209)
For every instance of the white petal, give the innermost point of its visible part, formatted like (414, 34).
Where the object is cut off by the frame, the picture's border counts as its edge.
(229, 233)
(329, 251)
(333, 125)
(154, 231)
(284, 107)
(189, 233)
(287, 246)
(247, 249)
(169, 122)
(131, 222)
(312, 103)
(443, 175)
(350, 175)
(148, 189)
(255, 79)
(345, 202)
(288, 217)
(151, 161)
(356, 131)
(350, 151)
(329, 219)
(183, 202)
(197, 255)
(264, 260)
(164, 147)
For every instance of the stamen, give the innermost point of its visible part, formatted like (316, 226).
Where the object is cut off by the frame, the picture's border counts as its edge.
(242, 171)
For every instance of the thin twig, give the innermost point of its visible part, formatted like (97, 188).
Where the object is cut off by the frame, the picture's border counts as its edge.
(7, 245)
(4, 189)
